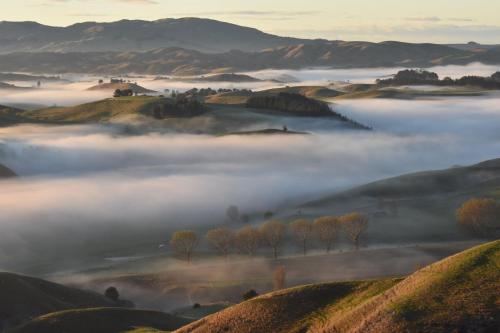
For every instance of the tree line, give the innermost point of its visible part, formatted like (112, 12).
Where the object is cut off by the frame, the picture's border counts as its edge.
(272, 234)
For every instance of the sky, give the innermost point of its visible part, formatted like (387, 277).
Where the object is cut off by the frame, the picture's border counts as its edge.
(439, 21)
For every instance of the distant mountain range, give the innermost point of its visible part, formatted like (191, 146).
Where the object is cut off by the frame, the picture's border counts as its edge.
(192, 33)
(178, 61)
(192, 46)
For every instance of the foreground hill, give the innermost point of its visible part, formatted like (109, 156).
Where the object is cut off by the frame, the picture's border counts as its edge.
(183, 61)
(458, 294)
(102, 320)
(125, 35)
(23, 298)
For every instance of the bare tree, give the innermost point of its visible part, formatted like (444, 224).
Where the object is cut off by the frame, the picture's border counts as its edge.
(221, 239)
(302, 230)
(273, 233)
(184, 242)
(279, 278)
(233, 213)
(354, 224)
(479, 215)
(326, 229)
(248, 240)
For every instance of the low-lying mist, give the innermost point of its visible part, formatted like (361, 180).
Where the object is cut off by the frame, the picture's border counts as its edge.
(89, 191)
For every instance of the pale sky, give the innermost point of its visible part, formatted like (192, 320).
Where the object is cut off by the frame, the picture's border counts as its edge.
(440, 21)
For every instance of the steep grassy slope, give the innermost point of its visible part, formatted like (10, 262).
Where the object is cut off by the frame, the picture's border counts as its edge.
(23, 298)
(458, 294)
(102, 320)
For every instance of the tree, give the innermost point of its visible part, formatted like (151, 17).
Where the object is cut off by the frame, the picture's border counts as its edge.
(112, 294)
(268, 215)
(279, 278)
(302, 230)
(273, 233)
(326, 229)
(354, 224)
(248, 240)
(221, 239)
(245, 218)
(250, 294)
(233, 213)
(479, 215)
(184, 242)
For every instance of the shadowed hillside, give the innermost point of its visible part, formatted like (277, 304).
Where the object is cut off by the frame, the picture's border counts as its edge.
(103, 320)
(455, 294)
(23, 298)
(6, 172)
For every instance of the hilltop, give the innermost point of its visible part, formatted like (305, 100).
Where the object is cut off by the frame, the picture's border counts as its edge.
(458, 293)
(121, 86)
(103, 320)
(24, 298)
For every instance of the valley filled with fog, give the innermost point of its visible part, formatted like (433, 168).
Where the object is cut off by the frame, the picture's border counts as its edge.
(92, 191)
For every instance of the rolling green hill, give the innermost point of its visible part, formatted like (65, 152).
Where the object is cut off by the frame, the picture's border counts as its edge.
(457, 294)
(102, 320)
(23, 298)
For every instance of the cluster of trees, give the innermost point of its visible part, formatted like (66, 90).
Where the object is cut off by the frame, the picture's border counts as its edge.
(272, 234)
(204, 92)
(417, 77)
(480, 215)
(178, 107)
(123, 93)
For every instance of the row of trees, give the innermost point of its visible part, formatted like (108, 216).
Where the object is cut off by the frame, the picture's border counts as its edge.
(272, 234)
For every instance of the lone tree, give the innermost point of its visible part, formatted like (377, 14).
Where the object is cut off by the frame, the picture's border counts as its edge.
(479, 215)
(279, 278)
(112, 294)
(354, 224)
(183, 243)
(273, 233)
(302, 230)
(233, 213)
(326, 229)
(222, 239)
(248, 240)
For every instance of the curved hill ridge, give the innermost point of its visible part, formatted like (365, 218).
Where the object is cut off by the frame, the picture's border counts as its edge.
(23, 298)
(459, 293)
(103, 320)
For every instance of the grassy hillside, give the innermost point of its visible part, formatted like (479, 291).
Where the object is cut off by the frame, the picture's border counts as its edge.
(413, 207)
(458, 294)
(101, 111)
(102, 320)
(23, 298)
(10, 115)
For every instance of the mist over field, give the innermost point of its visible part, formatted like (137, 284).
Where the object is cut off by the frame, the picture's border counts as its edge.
(80, 183)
